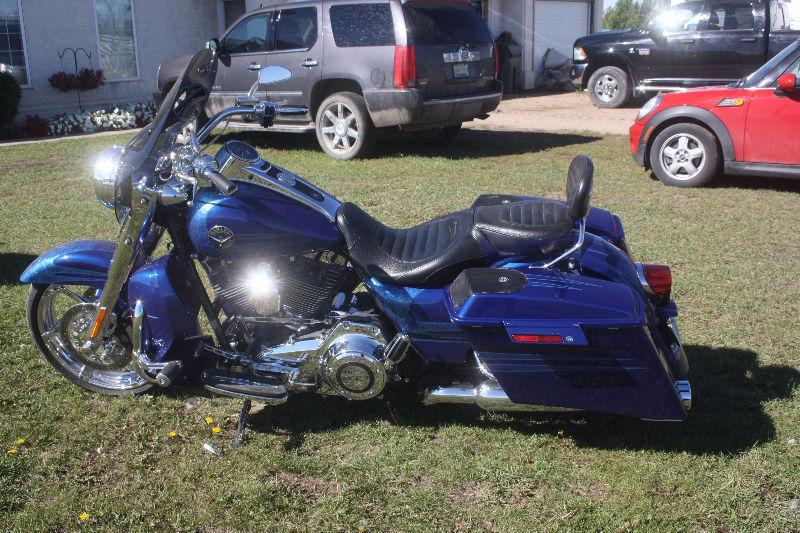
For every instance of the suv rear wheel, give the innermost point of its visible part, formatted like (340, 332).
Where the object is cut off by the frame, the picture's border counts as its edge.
(609, 87)
(344, 128)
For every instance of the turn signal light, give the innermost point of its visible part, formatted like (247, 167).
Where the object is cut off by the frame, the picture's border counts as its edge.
(659, 279)
(405, 67)
(537, 339)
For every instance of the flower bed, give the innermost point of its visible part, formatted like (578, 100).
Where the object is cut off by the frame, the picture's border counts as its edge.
(121, 117)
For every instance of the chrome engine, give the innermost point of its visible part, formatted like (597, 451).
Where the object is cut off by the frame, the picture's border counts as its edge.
(299, 327)
(349, 360)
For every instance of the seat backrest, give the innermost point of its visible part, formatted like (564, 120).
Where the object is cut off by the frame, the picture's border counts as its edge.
(579, 186)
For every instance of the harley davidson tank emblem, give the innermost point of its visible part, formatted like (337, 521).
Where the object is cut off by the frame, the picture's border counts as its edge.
(221, 237)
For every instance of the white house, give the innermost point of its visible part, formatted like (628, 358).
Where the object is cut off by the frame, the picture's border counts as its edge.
(128, 39)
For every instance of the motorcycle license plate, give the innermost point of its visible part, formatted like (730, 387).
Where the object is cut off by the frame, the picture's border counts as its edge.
(461, 70)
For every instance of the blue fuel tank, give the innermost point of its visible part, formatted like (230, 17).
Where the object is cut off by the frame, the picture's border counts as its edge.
(258, 220)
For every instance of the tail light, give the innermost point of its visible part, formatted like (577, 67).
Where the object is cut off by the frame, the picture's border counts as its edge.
(496, 53)
(537, 339)
(656, 279)
(405, 67)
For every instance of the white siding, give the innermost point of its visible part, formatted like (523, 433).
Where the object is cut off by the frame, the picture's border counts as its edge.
(163, 30)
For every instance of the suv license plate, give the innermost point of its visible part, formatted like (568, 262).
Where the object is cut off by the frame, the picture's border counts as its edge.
(461, 70)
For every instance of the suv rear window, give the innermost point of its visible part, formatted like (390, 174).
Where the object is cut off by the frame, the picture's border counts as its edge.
(362, 25)
(445, 24)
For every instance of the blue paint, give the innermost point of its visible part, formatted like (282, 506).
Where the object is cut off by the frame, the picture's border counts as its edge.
(74, 263)
(263, 222)
(168, 316)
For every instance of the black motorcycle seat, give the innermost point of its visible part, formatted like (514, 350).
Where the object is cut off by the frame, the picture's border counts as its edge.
(434, 252)
(430, 253)
(532, 228)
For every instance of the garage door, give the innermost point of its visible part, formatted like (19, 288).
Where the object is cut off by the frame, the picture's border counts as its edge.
(557, 25)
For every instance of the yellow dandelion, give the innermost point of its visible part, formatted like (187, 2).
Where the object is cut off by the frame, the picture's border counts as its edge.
(209, 420)
(84, 516)
(172, 435)
(12, 451)
(216, 429)
(19, 442)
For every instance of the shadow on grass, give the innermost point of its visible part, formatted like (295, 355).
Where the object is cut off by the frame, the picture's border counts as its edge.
(470, 144)
(727, 416)
(12, 265)
(754, 183)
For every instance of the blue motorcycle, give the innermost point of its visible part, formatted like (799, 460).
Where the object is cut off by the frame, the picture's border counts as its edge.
(515, 304)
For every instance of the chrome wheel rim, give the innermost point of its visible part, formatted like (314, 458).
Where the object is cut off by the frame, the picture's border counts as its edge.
(683, 156)
(339, 127)
(58, 302)
(606, 88)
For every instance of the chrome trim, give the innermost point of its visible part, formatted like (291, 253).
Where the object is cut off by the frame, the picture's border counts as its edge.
(396, 351)
(642, 278)
(242, 387)
(463, 55)
(327, 207)
(661, 88)
(672, 324)
(576, 247)
(684, 390)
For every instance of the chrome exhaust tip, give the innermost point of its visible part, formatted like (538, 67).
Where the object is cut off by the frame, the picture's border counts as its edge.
(489, 396)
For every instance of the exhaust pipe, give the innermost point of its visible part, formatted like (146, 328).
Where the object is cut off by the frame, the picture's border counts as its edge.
(489, 396)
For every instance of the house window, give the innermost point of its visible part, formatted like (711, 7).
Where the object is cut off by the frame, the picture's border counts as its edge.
(117, 39)
(12, 40)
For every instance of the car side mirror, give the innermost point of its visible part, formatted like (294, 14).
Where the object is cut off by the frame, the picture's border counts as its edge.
(788, 83)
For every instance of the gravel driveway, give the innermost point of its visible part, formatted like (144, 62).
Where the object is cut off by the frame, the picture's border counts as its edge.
(556, 112)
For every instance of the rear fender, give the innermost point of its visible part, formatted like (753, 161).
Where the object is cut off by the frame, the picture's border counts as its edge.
(74, 263)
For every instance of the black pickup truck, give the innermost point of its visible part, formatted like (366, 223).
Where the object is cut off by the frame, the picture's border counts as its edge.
(693, 44)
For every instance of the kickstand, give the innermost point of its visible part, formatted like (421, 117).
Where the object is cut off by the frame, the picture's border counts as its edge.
(242, 425)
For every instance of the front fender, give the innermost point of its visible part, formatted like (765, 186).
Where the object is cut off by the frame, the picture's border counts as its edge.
(74, 263)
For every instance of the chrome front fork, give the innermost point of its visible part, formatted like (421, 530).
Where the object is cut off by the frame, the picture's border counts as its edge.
(131, 237)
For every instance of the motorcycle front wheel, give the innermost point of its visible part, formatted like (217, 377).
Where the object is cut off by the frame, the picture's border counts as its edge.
(60, 317)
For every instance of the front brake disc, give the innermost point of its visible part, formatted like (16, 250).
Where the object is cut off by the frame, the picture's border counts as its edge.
(75, 328)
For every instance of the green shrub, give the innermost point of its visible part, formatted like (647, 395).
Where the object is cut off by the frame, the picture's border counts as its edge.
(10, 95)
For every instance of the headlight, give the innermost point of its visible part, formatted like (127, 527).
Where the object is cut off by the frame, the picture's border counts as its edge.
(104, 174)
(648, 107)
(578, 54)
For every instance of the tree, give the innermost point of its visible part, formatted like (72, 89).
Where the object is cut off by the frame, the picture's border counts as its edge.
(628, 14)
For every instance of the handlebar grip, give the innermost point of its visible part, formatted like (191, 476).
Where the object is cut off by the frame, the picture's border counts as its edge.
(223, 184)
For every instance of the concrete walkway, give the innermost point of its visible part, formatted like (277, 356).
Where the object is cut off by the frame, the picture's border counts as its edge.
(557, 113)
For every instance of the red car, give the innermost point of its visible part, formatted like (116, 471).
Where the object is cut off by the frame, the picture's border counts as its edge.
(749, 127)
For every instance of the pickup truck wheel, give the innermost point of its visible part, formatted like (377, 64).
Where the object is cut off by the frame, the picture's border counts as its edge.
(438, 135)
(609, 87)
(344, 128)
(685, 155)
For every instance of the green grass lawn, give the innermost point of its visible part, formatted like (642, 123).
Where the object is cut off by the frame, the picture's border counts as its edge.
(329, 465)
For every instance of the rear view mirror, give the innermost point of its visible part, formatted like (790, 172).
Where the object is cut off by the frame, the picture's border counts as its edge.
(788, 83)
(267, 76)
(273, 74)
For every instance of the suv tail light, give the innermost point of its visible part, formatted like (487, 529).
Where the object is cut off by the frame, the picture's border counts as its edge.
(496, 53)
(656, 279)
(405, 67)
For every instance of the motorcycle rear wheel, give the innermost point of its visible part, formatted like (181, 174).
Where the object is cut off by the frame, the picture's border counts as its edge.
(111, 372)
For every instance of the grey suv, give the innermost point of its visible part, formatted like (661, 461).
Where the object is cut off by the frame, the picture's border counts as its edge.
(361, 65)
